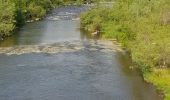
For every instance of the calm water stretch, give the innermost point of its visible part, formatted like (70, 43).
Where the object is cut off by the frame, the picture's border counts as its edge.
(53, 60)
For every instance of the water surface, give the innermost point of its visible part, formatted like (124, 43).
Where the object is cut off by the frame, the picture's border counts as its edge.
(53, 60)
(60, 25)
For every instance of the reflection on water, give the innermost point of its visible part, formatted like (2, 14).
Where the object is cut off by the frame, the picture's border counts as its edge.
(139, 89)
(60, 61)
(44, 32)
(49, 31)
(10, 41)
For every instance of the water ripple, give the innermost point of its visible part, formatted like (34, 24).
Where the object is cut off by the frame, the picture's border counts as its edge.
(100, 45)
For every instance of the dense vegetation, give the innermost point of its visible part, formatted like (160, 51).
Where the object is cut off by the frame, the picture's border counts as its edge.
(143, 27)
(7, 17)
(14, 13)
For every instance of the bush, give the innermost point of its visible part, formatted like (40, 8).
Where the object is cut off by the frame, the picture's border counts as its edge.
(35, 11)
(21, 10)
(141, 26)
(7, 15)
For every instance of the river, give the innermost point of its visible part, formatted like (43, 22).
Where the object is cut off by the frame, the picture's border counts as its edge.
(53, 60)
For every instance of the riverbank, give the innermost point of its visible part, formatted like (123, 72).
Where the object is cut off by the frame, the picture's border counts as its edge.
(161, 79)
(66, 63)
(21, 12)
(142, 27)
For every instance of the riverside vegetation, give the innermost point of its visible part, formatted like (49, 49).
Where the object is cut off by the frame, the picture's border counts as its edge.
(14, 13)
(141, 26)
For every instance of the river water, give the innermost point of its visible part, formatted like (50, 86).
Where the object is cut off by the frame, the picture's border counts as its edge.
(53, 60)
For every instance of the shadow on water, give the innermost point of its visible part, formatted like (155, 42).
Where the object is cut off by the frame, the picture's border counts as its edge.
(47, 32)
(60, 25)
(31, 33)
(139, 89)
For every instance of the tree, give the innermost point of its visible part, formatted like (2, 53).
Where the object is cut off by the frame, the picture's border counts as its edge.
(7, 17)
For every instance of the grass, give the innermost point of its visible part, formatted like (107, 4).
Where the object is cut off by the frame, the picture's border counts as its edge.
(161, 79)
(143, 27)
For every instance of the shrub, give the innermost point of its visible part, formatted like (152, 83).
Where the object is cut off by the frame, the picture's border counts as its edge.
(141, 26)
(35, 11)
(6, 19)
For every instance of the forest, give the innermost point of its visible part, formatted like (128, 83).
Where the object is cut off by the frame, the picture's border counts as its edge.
(143, 28)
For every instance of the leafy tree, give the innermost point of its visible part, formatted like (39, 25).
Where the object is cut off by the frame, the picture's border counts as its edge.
(7, 16)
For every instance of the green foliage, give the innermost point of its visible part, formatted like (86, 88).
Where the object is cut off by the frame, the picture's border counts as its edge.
(17, 12)
(31, 9)
(142, 26)
(7, 12)
(19, 17)
(161, 79)
(35, 11)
